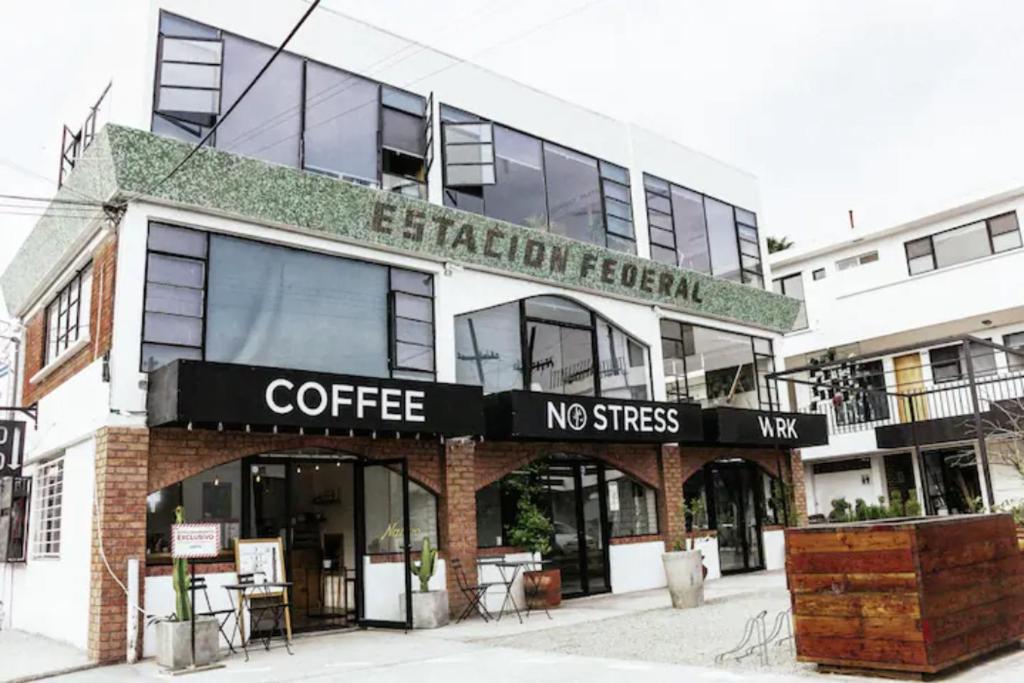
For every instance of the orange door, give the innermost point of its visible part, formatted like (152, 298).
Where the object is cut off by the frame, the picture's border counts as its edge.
(909, 380)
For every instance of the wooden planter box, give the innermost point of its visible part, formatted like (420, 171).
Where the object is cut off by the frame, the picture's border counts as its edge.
(913, 595)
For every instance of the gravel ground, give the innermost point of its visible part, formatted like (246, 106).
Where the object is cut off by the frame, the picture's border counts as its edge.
(692, 636)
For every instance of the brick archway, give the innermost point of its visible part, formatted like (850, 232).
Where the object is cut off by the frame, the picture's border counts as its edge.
(495, 460)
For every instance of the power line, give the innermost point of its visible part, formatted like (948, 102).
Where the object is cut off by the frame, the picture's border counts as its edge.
(21, 169)
(456, 62)
(333, 91)
(49, 200)
(245, 92)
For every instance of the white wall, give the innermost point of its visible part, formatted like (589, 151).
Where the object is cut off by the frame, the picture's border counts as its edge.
(159, 601)
(774, 549)
(50, 596)
(384, 587)
(636, 566)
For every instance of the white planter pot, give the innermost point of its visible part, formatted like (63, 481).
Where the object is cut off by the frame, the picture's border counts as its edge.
(174, 642)
(685, 576)
(429, 610)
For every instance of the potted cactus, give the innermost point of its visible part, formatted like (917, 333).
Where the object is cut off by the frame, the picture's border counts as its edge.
(429, 608)
(174, 633)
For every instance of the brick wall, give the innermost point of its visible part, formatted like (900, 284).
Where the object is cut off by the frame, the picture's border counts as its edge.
(796, 474)
(458, 516)
(670, 500)
(101, 316)
(122, 457)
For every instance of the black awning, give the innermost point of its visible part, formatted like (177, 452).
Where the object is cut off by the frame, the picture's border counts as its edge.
(204, 393)
(726, 426)
(929, 432)
(531, 415)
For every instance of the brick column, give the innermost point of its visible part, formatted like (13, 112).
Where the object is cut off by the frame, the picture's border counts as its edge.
(673, 521)
(796, 474)
(122, 461)
(459, 515)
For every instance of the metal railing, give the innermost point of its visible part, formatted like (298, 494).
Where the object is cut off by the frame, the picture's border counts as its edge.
(73, 144)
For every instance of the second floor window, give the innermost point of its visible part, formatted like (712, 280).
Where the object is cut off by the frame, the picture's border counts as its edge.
(695, 231)
(550, 344)
(966, 243)
(233, 300)
(715, 367)
(67, 316)
(300, 113)
(793, 286)
(512, 176)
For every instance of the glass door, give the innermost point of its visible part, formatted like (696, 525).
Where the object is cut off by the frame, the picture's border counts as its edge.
(575, 496)
(384, 582)
(737, 514)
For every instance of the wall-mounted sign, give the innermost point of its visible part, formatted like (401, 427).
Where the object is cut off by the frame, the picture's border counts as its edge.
(12, 447)
(205, 394)
(746, 427)
(195, 541)
(534, 415)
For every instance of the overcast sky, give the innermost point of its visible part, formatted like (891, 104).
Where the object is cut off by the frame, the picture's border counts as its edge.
(890, 108)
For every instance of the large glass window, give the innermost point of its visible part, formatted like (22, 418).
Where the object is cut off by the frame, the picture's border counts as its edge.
(715, 367)
(300, 113)
(695, 231)
(234, 300)
(525, 180)
(632, 506)
(966, 243)
(549, 344)
(67, 316)
(213, 496)
(1014, 341)
(793, 286)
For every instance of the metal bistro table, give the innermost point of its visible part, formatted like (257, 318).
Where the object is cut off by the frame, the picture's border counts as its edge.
(509, 570)
(280, 610)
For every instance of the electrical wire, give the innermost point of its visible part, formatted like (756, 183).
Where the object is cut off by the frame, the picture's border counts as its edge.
(332, 91)
(25, 171)
(49, 200)
(241, 97)
(453, 64)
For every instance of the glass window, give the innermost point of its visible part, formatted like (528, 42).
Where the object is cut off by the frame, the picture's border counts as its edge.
(945, 363)
(793, 286)
(574, 195)
(267, 123)
(383, 501)
(341, 124)
(694, 488)
(859, 260)
(518, 195)
(49, 508)
(632, 506)
(496, 506)
(725, 260)
(624, 369)
(869, 404)
(1005, 232)
(556, 309)
(714, 367)
(560, 359)
(189, 77)
(488, 351)
(282, 307)
(690, 230)
(1014, 341)
(818, 274)
(468, 154)
(963, 244)
(67, 316)
(175, 295)
(212, 496)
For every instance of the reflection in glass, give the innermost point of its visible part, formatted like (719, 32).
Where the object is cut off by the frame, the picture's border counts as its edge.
(341, 123)
(574, 195)
(725, 259)
(624, 369)
(561, 359)
(690, 230)
(518, 194)
(487, 349)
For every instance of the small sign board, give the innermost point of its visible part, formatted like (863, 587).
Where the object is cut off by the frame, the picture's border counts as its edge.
(12, 446)
(194, 541)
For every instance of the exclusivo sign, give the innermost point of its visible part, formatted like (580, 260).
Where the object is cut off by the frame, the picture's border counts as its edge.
(533, 415)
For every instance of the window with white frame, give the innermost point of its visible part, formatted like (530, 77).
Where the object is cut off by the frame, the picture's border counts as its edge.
(49, 494)
(965, 243)
(858, 260)
(67, 316)
(1015, 341)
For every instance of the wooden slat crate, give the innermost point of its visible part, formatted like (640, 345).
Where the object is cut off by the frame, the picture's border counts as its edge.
(913, 595)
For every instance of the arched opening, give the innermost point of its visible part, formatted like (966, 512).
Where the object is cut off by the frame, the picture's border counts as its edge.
(344, 523)
(551, 344)
(590, 503)
(736, 499)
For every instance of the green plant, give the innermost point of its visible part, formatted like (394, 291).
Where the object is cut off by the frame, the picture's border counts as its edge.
(840, 510)
(532, 529)
(777, 244)
(782, 499)
(695, 513)
(424, 569)
(1015, 508)
(913, 507)
(179, 577)
(896, 505)
(860, 510)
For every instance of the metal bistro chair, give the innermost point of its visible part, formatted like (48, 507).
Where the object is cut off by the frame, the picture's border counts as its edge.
(474, 593)
(221, 615)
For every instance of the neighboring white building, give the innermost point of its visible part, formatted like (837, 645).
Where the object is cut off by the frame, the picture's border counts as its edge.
(904, 289)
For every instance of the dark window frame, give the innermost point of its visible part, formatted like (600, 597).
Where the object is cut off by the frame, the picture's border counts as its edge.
(394, 369)
(767, 396)
(64, 338)
(601, 174)
(427, 157)
(930, 240)
(781, 282)
(748, 276)
(818, 274)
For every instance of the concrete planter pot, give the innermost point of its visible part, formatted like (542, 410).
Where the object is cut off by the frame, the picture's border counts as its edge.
(684, 572)
(543, 588)
(429, 610)
(174, 643)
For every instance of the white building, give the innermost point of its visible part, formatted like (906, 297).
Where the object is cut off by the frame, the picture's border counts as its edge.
(366, 224)
(889, 298)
